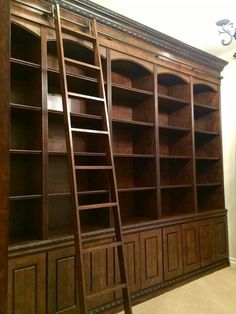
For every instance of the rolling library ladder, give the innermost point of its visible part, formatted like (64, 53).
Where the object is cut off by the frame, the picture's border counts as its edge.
(76, 164)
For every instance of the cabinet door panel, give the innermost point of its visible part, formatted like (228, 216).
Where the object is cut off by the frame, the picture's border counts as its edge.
(172, 245)
(99, 274)
(26, 285)
(132, 259)
(221, 238)
(98, 267)
(191, 249)
(62, 282)
(151, 258)
(207, 242)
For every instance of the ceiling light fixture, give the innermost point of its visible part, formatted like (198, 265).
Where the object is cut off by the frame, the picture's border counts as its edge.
(227, 30)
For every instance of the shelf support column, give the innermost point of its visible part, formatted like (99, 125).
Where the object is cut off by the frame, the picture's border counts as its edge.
(4, 148)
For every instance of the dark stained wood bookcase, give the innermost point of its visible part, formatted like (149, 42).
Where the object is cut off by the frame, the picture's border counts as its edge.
(165, 124)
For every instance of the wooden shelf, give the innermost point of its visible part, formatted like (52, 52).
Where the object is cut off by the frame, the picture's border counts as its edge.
(24, 107)
(176, 186)
(119, 155)
(123, 91)
(73, 75)
(76, 115)
(203, 185)
(137, 189)
(25, 63)
(174, 157)
(201, 109)
(171, 103)
(132, 123)
(174, 128)
(206, 158)
(25, 151)
(24, 197)
(206, 133)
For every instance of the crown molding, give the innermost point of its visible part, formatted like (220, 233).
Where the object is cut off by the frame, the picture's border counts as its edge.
(130, 27)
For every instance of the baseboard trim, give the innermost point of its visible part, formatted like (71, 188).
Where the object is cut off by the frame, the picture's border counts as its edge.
(232, 261)
(162, 287)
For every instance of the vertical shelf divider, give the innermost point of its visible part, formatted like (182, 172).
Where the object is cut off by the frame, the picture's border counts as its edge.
(193, 146)
(44, 132)
(157, 143)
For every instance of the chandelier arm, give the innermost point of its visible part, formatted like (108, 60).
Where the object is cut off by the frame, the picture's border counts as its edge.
(224, 41)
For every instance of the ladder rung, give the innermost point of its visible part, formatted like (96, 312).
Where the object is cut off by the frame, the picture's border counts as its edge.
(77, 33)
(89, 131)
(102, 247)
(96, 206)
(106, 291)
(88, 65)
(85, 96)
(93, 167)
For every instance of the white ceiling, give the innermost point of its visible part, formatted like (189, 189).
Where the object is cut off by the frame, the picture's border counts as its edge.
(193, 22)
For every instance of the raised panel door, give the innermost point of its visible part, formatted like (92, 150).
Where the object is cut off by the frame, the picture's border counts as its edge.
(151, 258)
(172, 247)
(207, 242)
(132, 259)
(221, 238)
(62, 282)
(27, 285)
(191, 246)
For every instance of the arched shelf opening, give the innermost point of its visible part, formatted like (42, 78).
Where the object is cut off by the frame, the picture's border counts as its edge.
(205, 96)
(174, 86)
(132, 75)
(75, 51)
(25, 45)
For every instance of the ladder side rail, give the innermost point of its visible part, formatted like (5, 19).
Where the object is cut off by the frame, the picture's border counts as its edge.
(116, 211)
(71, 163)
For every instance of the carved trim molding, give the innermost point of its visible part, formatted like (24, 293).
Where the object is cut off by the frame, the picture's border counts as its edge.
(123, 24)
(162, 286)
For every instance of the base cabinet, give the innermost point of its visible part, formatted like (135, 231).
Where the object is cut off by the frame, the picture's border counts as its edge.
(27, 285)
(46, 282)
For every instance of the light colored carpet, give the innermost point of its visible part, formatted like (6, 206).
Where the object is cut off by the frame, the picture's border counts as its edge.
(212, 294)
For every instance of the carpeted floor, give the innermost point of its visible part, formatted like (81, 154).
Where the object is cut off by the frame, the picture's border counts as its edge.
(212, 294)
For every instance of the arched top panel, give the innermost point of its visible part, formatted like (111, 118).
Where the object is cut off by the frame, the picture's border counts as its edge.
(170, 79)
(24, 30)
(25, 44)
(75, 51)
(131, 75)
(129, 68)
(173, 85)
(203, 88)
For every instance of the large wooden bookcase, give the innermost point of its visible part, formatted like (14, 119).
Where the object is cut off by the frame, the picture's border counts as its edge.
(164, 108)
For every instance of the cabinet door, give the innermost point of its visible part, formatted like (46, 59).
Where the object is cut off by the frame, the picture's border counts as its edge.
(62, 282)
(132, 259)
(172, 246)
(62, 289)
(191, 249)
(151, 258)
(207, 242)
(221, 238)
(99, 274)
(26, 285)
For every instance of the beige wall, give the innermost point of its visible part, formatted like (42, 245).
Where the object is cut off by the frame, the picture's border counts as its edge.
(228, 105)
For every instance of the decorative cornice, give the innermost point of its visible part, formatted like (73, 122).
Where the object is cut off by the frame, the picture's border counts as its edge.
(159, 288)
(123, 24)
